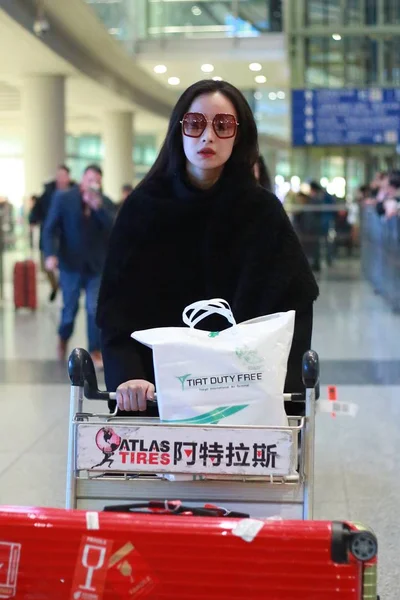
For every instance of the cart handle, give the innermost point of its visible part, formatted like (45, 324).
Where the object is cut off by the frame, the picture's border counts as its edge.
(82, 373)
(310, 369)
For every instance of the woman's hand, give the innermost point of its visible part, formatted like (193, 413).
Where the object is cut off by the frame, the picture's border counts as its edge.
(133, 395)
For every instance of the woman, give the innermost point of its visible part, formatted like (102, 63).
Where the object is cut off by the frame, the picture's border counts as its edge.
(199, 226)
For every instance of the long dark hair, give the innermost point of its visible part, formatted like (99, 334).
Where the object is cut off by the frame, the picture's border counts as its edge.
(171, 158)
(264, 178)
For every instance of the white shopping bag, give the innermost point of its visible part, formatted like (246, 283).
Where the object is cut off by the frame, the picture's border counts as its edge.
(235, 376)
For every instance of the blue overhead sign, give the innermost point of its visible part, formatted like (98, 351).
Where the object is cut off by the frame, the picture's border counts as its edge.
(345, 117)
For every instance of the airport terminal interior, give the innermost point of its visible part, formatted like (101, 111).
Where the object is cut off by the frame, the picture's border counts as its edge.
(94, 83)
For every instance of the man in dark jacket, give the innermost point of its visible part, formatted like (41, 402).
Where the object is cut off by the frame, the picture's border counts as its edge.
(75, 239)
(40, 210)
(326, 218)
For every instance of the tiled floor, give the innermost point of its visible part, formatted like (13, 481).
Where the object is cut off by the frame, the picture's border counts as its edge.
(357, 470)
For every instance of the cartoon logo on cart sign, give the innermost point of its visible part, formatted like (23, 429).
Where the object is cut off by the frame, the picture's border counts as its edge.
(133, 451)
(108, 442)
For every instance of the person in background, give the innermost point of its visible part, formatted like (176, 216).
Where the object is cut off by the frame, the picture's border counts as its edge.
(320, 196)
(391, 204)
(75, 238)
(290, 201)
(361, 197)
(39, 212)
(199, 226)
(362, 194)
(126, 189)
(307, 225)
(378, 185)
(32, 203)
(374, 185)
(7, 223)
(262, 175)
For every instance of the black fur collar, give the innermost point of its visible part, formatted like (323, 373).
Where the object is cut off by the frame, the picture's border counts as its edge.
(173, 244)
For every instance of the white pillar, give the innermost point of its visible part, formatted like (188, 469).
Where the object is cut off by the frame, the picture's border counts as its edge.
(44, 115)
(118, 147)
(160, 137)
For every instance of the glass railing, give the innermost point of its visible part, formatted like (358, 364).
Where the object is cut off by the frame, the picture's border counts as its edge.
(134, 20)
(118, 17)
(334, 13)
(244, 18)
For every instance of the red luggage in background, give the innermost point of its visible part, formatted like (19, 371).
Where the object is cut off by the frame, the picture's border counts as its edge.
(51, 554)
(25, 285)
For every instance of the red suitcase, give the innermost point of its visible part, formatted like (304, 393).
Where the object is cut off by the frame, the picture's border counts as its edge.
(50, 554)
(25, 285)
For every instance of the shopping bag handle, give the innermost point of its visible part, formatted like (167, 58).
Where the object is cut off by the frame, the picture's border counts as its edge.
(196, 312)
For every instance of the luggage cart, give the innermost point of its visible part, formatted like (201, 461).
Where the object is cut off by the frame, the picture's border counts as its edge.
(261, 471)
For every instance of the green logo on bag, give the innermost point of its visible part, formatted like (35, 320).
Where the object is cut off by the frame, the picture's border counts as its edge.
(213, 334)
(250, 357)
(212, 417)
(183, 379)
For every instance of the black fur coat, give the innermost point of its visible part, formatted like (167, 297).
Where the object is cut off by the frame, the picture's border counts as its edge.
(174, 244)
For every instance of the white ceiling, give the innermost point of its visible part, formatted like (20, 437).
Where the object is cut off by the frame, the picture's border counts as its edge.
(21, 53)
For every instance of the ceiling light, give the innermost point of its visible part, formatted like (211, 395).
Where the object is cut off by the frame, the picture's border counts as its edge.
(272, 96)
(337, 37)
(174, 80)
(281, 95)
(255, 67)
(257, 95)
(160, 69)
(260, 79)
(216, 78)
(196, 10)
(324, 181)
(207, 68)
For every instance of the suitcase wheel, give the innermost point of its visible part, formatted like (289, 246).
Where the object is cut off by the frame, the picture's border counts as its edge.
(363, 545)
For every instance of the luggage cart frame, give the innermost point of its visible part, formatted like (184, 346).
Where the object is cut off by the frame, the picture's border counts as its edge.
(288, 494)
